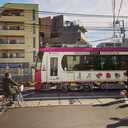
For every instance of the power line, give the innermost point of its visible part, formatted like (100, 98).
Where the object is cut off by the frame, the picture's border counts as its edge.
(28, 25)
(113, 9)
(121, 2)
(87, 27)
(66, 14)
(79, 14)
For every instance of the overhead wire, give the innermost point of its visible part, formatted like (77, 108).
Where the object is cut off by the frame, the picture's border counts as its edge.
(30, 25)
(67, 13)
(121, 3)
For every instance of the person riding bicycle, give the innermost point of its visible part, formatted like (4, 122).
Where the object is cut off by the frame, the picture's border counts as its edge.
(9, 87)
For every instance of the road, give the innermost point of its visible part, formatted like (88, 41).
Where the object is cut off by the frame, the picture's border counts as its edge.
(82, 116)
(67, 110)
(31, 95)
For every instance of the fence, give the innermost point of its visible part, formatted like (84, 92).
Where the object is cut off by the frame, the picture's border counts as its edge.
(18, 74)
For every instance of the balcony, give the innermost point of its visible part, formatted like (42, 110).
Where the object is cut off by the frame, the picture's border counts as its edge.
(12, 40)
(14, 60)
(12, 54)
(12, 47)
(12, 15)
(12, 32)
(11, 57)
(11, 26)
(12, 18)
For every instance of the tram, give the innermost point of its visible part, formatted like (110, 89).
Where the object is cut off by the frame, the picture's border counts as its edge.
(81, 68)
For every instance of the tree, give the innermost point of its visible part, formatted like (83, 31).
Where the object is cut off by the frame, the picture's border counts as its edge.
(82, 29)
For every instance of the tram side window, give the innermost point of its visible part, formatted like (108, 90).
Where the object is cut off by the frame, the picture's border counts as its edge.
(123, 62)
(77, 62)
(109, 62)
(53, 66)
(114, 62)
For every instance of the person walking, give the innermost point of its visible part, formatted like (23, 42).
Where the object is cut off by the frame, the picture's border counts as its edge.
(9, 87)
(20, 96)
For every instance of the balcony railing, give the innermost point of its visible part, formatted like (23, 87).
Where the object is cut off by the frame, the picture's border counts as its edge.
(11, 27)
(13, 13)
(12, 57)
(11, 42)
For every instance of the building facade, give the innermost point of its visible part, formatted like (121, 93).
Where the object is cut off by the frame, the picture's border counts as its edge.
(45, 30)
(19, 37)
(54, 32)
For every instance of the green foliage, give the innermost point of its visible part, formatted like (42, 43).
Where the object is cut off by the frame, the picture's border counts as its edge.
(82, 29)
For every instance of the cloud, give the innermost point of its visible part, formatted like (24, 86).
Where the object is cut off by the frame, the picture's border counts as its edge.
(83, 6)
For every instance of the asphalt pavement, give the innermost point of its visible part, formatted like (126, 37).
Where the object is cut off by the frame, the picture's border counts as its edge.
(55, 109)
(82, 116)
(54, 95)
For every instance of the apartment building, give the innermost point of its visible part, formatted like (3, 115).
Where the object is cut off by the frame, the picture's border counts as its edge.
(19, 37)
(53, 33)
(45, 30)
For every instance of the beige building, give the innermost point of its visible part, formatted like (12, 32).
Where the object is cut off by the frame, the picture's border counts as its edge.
(19, 37)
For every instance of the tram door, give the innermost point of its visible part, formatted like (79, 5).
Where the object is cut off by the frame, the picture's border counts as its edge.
(54, 68)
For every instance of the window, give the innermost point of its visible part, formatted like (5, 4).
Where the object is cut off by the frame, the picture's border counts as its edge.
(53, 66)
(34, 42)
(34, 17)
(12, 41)
(13, 13)
(11, 55)
(20, 40)
(34, 55)
(123, 62)
(15, 27)
(94, 62)
(77, 62)
(2, 41)
(109, 62)
(4, 55)
(34, 29)
(5, 27)
(18, 55)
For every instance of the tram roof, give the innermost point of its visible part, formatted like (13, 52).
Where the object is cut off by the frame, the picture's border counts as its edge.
(53, 49)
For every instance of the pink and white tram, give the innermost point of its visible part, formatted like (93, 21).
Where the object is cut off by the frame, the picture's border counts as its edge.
(76, 68)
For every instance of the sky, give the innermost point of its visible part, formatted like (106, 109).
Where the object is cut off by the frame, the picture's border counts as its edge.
(100, 7)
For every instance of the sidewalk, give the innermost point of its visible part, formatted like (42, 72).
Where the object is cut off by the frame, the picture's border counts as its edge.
(64, 102)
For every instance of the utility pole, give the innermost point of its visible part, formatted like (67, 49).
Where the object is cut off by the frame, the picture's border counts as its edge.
(114, 6)
(122, 30)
